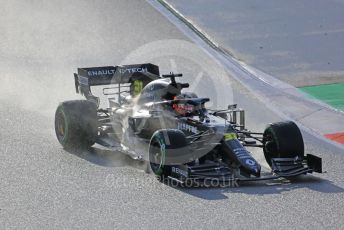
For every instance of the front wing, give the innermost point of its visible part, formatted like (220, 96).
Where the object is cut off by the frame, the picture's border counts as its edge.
(220, 172)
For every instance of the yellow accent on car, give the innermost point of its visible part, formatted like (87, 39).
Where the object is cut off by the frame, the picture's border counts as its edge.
(230, 136)
(138, 85)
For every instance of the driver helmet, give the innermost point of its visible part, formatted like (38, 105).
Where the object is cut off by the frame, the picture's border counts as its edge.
(182, 107)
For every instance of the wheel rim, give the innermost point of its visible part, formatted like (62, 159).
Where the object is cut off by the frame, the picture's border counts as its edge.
(156, 158)
(60, 126)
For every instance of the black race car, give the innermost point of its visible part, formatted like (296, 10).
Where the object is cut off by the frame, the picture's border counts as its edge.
(151, 119)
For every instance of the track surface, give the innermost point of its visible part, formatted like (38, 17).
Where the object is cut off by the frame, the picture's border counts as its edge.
(294, 41)
(43, 186)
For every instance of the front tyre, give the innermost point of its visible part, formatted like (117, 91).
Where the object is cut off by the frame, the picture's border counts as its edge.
(76, 124)
(282, 140)
(163, 145)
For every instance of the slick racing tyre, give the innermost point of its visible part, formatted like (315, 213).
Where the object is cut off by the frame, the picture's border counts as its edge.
(163, 144)
(282, 140)
(76, 124)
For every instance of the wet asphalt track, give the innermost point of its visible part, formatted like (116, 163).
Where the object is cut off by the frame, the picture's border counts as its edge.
(43, 186)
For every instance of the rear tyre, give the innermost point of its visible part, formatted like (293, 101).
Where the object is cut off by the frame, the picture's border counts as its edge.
(282, 140)
(76, 124)
(162, 145)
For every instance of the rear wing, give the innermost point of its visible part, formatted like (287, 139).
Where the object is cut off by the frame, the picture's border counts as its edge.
(107, 75)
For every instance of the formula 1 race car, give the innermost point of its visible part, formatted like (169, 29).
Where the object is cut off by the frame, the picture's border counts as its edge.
(149, 118)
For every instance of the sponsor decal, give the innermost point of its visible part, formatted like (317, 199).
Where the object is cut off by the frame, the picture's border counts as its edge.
(230, 136)
(101, 72)
(180, 171)
(133, 70)
(250, 162)
(187, 127)
(241, 153)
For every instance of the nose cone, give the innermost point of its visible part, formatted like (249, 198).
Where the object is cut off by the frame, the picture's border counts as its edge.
(237, 152)
(251, 166)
